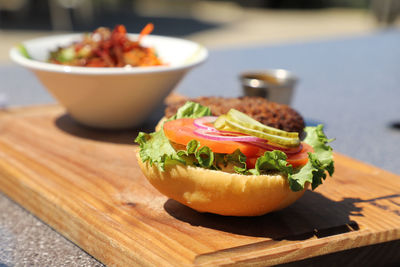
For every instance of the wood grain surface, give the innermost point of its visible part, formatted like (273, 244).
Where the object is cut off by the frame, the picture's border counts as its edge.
(87, 185)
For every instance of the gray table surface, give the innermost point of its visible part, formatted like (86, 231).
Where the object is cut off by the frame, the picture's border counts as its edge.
(351, 85)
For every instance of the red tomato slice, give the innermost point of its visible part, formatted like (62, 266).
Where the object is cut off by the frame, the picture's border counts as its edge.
(251, 162)
(301, 158)
(296, 160)
(181, 132)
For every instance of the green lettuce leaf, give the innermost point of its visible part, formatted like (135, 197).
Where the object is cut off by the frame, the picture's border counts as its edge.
(320, 162)
(238, 160)
(271, 161)
(191, 110)
(156, 148)
(205, 157)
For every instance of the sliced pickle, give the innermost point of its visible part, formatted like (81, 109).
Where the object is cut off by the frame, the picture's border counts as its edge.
(220, 123)
(236, 121)
(244, 120)
(279, 140)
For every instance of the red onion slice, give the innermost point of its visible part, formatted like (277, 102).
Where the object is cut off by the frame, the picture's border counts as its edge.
(201, 123)
(269, 147)
(227, 136)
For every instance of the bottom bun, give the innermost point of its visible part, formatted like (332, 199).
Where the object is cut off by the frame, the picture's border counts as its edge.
(221, 192)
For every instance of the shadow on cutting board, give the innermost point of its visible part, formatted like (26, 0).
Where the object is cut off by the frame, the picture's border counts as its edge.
(124, 136)
(312, 215)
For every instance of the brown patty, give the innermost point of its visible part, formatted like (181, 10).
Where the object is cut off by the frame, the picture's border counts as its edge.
(269, 113)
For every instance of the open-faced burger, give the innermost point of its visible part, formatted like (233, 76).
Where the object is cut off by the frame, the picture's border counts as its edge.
(230, 163)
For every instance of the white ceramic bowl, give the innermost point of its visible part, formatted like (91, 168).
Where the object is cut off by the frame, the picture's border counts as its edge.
(111, 97)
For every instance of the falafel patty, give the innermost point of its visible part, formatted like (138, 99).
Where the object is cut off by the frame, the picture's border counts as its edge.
(269, 113)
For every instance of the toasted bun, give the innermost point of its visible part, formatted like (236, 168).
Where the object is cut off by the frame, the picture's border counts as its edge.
(221, 192)
(160, 123)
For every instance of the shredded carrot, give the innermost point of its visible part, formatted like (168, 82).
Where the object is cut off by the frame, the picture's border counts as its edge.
(145, 31)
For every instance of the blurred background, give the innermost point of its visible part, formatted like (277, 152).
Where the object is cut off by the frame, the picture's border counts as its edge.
(214, 23)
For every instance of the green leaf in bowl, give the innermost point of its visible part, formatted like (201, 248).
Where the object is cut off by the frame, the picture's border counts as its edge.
(22, 49)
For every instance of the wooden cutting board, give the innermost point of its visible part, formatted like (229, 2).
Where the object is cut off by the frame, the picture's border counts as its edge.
(87, 185)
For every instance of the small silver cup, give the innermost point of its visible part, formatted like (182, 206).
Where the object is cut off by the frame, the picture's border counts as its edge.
(276, 85)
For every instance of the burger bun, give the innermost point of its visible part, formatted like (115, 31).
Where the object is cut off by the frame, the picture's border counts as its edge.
(221, 192)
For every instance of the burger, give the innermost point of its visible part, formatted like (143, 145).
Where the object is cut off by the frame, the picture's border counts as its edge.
(234, 156)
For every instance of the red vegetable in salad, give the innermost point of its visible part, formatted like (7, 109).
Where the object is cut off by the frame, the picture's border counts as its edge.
(106, 48)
